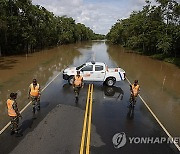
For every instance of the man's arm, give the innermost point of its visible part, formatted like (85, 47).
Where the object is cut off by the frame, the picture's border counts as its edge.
(39, 90)
(82, 83)
(131, 88)
(132, 92)
(73, 82)
(16, 108)
(139, 90)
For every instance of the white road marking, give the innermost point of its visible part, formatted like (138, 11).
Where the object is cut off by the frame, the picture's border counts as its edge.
(162, 126)
(8, 124)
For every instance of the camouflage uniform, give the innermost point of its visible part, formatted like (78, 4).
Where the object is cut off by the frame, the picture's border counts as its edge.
(15, 119)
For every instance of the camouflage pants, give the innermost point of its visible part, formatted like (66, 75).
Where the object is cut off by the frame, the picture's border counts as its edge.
(76, 91)
(35, 102)
(14, 123)
(133, 99)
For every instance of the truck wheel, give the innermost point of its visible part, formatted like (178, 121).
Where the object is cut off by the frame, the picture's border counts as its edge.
(110, 81)
(70, 80)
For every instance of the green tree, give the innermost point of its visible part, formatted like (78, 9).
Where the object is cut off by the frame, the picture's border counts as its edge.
(25, 27)
(154, 29)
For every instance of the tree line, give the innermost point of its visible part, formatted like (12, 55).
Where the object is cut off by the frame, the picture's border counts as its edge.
(153, 30)
(25, 27)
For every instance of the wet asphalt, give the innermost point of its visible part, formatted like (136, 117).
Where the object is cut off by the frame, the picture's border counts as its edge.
(110, 115)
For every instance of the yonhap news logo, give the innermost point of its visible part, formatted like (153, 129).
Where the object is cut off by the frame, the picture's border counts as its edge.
(120, 139)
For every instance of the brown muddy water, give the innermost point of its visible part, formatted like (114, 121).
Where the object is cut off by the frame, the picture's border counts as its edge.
(17, 72)
(159, 81)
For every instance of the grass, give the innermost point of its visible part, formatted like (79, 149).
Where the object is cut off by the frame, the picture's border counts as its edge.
(173, 60)
(158, 56)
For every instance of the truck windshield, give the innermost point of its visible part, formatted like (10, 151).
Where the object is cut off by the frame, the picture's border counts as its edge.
(77, 68)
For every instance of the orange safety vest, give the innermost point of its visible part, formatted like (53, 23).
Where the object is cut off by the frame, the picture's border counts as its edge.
(34, 90)
(11, 111)
(78, 80)
(135, 89)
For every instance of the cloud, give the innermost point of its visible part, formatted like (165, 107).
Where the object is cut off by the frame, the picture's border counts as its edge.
(99, 15)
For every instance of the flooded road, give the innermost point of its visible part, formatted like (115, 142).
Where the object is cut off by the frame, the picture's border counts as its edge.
(160, 84)
(110, 113)
(17, 72)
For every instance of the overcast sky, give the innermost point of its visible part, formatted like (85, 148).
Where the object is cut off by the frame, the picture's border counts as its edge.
(99, 15)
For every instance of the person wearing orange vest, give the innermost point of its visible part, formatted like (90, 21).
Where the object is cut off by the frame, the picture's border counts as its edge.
(77, 84)
(13, 113)
(34, 93)
(135, 89)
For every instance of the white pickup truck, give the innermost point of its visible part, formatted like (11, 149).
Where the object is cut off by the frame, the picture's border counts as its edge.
(95, 71)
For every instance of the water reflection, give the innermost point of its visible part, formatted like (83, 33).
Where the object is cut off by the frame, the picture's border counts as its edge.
(130, 114)
(17, 72)
(103, 93)
(7, 64)
(113, 92)
(159, 83)
(67, 88)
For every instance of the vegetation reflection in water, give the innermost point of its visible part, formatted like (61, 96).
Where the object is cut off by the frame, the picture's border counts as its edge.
(159, 80)
(17, 73)
(159, 84)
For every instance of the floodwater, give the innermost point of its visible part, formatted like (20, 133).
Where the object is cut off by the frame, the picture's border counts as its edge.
(17, 72)
(159, 81)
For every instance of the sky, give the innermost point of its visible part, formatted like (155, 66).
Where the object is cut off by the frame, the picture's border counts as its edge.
(99, 15)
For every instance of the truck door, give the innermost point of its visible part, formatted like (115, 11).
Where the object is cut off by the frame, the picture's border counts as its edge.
(99, 73)
(87, 72)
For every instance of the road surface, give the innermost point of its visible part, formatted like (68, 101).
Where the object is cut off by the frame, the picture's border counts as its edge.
(58, 127)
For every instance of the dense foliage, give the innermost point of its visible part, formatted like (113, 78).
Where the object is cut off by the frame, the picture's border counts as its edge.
(99, 37)
(153, 30)
(25, 27)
